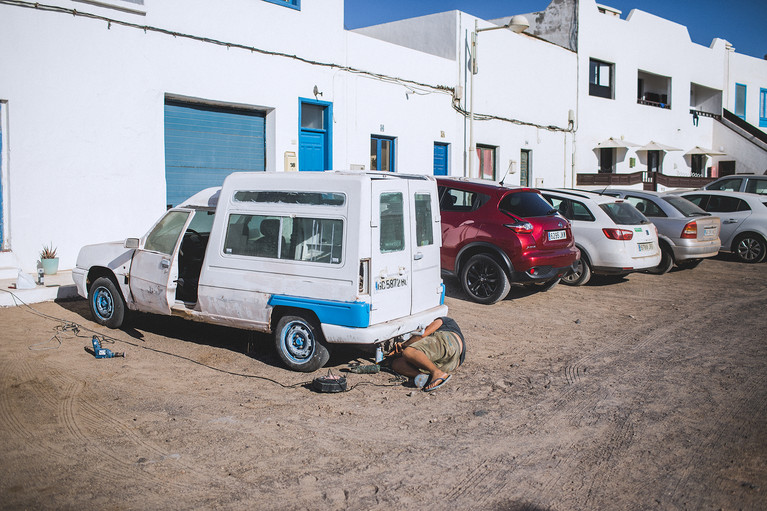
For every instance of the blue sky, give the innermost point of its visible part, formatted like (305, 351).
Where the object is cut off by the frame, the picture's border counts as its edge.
(742, 22)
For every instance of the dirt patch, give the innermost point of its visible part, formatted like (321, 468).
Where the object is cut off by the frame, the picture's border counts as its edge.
(643, 393)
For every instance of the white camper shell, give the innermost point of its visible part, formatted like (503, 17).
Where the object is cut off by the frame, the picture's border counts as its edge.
(315, 258)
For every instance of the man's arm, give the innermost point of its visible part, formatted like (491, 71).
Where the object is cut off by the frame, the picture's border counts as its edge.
(433, 327)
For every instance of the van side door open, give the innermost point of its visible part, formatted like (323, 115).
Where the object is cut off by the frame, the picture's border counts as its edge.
(154, 268)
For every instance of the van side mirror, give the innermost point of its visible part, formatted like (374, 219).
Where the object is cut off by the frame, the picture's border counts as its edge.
(132, 243)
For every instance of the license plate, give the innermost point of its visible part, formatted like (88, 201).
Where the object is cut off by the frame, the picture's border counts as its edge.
(709, 231)
(644, 247)
(557, 235)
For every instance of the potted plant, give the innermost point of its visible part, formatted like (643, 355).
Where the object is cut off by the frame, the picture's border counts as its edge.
(49, 260)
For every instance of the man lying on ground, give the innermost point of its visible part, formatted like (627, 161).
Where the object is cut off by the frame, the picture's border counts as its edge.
(429, 358)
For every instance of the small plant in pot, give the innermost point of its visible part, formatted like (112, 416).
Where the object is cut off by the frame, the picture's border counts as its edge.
(49, 260)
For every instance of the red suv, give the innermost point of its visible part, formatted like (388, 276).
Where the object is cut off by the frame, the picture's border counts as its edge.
(493, 235)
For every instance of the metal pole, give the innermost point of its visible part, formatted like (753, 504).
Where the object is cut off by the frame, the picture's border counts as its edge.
(473, 69)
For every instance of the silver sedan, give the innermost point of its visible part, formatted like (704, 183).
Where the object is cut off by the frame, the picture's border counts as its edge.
(687, 234)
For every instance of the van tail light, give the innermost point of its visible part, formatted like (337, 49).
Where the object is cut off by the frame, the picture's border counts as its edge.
(690, 231)
(618, 234)
(521, 227)
(364, 276)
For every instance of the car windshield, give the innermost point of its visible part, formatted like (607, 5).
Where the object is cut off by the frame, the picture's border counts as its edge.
(684, 206)
(623, 213)
(526, 205)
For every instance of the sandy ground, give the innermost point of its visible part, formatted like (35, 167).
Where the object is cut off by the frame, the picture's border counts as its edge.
(646, 393)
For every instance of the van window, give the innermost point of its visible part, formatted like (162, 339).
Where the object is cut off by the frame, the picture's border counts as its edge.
(318, 240)
(276, 197)
(392, 223)
(164, 236)
(424, 231)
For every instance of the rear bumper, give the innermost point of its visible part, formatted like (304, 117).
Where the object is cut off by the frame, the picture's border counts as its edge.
(541, 273)
(384, 331)
(694, 249)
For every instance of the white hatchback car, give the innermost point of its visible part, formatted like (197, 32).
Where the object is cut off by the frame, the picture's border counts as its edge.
(613, 236)
(744, 221)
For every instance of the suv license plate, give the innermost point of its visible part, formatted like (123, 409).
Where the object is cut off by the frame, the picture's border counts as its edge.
(557, 235)
(644, 247)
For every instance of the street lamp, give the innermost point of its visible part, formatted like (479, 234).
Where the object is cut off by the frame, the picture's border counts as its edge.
(516, 24)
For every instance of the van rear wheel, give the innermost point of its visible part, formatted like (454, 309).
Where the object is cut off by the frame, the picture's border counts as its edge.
(484, 280)
(300, 343)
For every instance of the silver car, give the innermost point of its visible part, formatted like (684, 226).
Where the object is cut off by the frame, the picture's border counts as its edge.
(744, 221)
(748, 183)
(686, 233)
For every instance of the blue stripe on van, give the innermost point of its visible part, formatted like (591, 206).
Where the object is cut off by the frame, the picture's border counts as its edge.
(351, 314)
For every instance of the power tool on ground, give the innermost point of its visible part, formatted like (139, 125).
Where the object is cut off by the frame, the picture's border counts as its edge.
(100, 352)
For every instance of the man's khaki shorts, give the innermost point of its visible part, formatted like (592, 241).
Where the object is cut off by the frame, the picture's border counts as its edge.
(442, 348)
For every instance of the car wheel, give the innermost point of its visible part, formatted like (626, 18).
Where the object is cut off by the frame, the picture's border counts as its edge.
(689, 264)
(300, 344)
(580, 275)
(749, 248)
(666, 262)
(106, 303)
(484, 280)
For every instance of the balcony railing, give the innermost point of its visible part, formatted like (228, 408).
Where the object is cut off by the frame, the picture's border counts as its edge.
(701, 113)
(653, 103)
(650, 180)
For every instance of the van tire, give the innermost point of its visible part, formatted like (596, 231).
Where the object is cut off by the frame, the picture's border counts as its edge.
(484, 280)
(106, 303)
(300, 343)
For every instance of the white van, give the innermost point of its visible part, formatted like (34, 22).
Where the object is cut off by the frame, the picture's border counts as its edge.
(315, 258)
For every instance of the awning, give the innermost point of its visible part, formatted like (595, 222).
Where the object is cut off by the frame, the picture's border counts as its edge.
(700, 150)
(615, 143)
(655, 146)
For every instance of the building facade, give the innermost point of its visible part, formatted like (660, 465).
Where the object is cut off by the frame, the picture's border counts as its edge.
(112, 110)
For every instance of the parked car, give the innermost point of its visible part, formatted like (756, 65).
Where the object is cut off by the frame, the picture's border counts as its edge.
(748, 183)
(744, 221)
(686, 233)
(613, 237)
(493, 236)
(313, 259)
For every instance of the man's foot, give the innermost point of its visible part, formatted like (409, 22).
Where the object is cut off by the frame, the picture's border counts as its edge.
(437, 382)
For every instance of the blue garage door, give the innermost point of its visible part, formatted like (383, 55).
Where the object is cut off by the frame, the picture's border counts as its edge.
(204, 144)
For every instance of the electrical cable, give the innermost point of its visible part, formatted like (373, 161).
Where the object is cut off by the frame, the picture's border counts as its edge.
(66, 326)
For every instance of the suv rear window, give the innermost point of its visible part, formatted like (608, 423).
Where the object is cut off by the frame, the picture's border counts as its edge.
(623, 213)
(525, 205)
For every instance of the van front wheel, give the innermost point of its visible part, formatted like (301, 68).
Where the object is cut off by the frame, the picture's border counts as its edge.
(300, 344)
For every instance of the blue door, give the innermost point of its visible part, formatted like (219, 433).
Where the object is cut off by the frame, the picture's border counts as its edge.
(382, 153)
(440, 159)
(314, 137)
(204, 144)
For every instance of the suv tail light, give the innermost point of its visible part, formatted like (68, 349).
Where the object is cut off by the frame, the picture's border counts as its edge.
(520, 227)
(690, 231)
(618, 234)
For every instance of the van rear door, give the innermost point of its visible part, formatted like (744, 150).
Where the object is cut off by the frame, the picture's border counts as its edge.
(391, 256)
(426, 239)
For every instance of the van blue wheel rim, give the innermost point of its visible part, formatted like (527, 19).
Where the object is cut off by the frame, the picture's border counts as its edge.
(103, 303)
(297, 341)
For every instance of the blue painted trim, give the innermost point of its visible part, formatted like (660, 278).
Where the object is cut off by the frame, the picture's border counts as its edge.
(745, 96)
(379, 145)
(293, 4)
(350, 314)
(763, 108)
(327, 129)
(442, 297)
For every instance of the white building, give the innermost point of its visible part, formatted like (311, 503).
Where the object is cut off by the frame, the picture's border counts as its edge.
(112, 109)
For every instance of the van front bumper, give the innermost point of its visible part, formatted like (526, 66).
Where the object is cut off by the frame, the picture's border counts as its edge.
(375, 334)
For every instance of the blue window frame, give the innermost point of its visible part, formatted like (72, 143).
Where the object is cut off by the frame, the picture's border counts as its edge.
(293, 4)
(382, 153)
(740, 100)
(763, 108)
